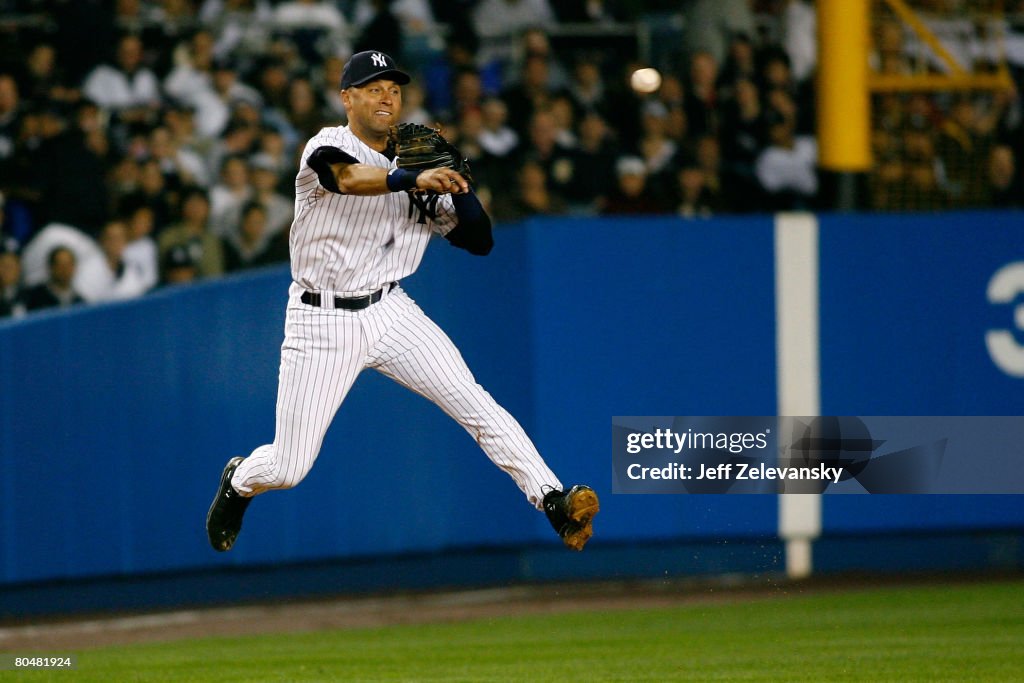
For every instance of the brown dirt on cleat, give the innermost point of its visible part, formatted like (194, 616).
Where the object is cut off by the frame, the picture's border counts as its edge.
(578, 538)
(583, 507)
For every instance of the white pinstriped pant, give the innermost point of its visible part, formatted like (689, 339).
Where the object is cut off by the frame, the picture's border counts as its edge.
(323, 353)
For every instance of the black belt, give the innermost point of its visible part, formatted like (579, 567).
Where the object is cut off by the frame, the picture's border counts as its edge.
(355, 303)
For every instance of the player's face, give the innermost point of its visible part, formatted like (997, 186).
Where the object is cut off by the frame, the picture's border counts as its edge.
(373, 107)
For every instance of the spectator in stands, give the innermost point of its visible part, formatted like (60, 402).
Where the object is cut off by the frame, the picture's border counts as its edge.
(43, 80)
(272, 83)
(499, 22)
(701, 98)
(532, 195)
(672, 92)
(467, 92)
(470, 126)
(496, 137)
(1005, 189)
(69, 170)
(740, 65)
(378, 29)
(534, 42)
(133, 166)
(587, 87)
(271, 144)
(922, 114)
(180, 264)
(192, 77)
(328, 78)
(242, 27)
(457, 14)
(115, 278)
(170, 23)
(12, 293)
(799, 37)
(264, 177)
(630, 195)
(132, 16)
(416, 25)
(532, 93)
(179, 165)
(718, 183)
(921, 190)
(125, 88)
(542, 146)
(778, 85)
(889, 56)
(695, 201)
(194, 233)
(743, 136)
(212, 107)
(123, 182)
(179, 119)
(656, 148)
(593, 174)
(57, 291)
(305, 111)
(240, 139)
(963, 151)
(887, 183)
(310, 23)
(562, 110)
(413, 107)
(671, 95)
(743, 126)
(786, 168)
(711, 24)
(229, 195)
(590, 11)
(153, 190)
(309, 14)
(10, 120)
(252, 245)
(141, 251)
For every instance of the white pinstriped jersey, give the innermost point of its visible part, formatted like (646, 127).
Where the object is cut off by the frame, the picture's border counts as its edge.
(355, 244)
(351, 245)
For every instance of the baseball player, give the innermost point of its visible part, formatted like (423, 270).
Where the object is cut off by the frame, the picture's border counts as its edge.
(361, 224)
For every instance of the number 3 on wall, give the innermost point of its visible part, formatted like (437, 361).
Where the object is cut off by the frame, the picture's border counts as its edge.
(1003, 288)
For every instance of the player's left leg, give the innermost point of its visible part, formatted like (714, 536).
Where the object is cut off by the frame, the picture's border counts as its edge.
(415, 352)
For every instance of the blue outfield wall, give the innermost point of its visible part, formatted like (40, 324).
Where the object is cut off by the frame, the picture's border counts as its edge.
(116, 420)
(904, 314)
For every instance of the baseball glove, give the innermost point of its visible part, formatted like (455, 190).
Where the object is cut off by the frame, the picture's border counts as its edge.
(420, 147)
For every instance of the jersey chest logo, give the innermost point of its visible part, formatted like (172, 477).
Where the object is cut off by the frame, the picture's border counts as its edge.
(427, 206)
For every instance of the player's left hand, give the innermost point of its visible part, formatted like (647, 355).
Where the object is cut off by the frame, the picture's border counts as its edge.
(421, 148)
(442, 181)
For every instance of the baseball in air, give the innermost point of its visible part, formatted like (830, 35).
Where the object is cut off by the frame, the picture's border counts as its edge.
(645, 80)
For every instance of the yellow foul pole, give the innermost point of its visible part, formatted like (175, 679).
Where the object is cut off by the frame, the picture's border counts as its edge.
(844, 108)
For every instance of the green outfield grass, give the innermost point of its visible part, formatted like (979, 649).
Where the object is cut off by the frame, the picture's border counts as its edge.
(926, 633)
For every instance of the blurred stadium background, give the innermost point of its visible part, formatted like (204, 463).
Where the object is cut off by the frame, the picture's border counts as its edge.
(805, 218)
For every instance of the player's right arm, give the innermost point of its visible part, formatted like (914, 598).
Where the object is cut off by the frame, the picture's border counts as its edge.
(341, 173)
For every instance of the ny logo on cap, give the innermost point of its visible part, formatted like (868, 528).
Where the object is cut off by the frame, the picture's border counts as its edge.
(378, 59)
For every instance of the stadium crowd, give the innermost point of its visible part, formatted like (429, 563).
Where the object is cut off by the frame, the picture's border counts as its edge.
(154, 142)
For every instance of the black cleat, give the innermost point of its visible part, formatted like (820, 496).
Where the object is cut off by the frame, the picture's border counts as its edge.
(224, 520)
(571, 513)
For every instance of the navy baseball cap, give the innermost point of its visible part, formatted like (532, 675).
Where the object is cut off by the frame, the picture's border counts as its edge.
(369, 66)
